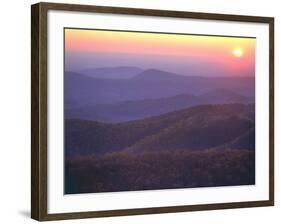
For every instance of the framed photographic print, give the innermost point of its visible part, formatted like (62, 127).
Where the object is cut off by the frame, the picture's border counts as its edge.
(140, 111)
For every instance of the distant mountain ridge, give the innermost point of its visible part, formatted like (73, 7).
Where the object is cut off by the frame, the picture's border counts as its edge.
(82, 90)
(155, 74)
(119, 72)
(134, 110)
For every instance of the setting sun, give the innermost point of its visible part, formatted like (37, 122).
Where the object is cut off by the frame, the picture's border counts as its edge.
(238, 52)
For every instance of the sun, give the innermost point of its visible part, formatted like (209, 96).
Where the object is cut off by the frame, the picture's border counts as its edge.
(238, 52)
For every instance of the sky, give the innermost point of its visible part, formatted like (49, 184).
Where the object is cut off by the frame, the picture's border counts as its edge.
(179, 53)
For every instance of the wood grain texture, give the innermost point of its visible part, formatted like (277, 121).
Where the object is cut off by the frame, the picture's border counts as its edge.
(39, 204)
(271, 111)
(38, 112)
(34, 113)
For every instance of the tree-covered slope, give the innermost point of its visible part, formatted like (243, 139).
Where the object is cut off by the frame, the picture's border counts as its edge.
(199, 127)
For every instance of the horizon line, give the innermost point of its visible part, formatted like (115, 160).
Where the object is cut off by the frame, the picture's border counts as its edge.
(161, 70)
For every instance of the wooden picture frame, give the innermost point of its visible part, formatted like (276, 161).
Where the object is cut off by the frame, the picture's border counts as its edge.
(39, 108)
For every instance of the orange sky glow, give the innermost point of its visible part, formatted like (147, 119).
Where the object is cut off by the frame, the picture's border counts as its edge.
(233, 52)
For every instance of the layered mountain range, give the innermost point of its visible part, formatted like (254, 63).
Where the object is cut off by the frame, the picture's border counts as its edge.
(146, 93)
(134, 129)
